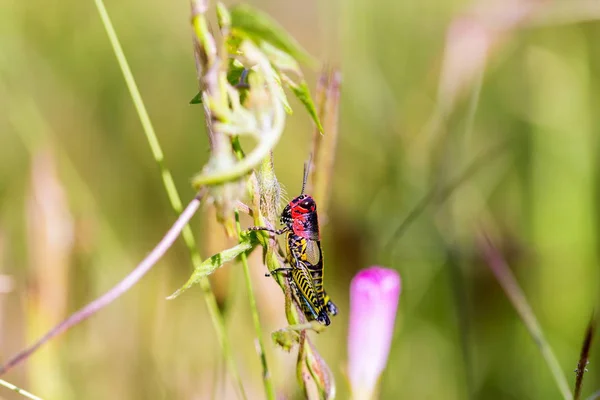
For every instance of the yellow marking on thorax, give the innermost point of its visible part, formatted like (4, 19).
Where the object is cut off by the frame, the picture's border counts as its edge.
(288, 250)
(303, 245)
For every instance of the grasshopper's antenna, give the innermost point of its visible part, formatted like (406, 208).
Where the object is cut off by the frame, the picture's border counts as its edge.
(306, 171)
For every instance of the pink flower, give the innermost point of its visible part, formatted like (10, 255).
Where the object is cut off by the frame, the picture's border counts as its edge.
(374, 294)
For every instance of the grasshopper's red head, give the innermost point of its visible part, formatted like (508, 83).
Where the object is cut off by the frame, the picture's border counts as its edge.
(300, 215)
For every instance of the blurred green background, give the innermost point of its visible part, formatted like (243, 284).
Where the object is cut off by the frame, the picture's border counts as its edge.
(428, 87)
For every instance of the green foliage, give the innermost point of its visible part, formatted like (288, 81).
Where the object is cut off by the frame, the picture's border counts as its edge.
(253, 105)
(234, 77)
(197, 99)
(209, 265)
(303, 94)
(282, 61)
(285, 338)
(248, 22)
(282, 51)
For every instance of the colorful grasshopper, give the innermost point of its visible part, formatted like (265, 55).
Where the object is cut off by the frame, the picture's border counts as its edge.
(304, 255)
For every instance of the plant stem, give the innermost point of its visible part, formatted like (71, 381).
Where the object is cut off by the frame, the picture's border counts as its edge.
(438, 195)
(116, 291)
(514, 293)
(255, 318)
(173, 195)
(584, 357)
(22, 392)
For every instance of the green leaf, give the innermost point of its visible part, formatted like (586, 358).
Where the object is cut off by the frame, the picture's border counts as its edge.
(285, 338)
(233, 43)
(234, 73)
(197, 99)
(209, 265)
(260, 27)
(280, 93)
(281, 60)
(303, 94)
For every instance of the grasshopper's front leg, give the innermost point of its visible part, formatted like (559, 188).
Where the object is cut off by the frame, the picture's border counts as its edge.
(270, 230)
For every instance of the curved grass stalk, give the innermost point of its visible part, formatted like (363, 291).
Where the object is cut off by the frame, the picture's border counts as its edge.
(516, 296)
(243, 167)
(173, 195)
(116, 291)
(262, 150)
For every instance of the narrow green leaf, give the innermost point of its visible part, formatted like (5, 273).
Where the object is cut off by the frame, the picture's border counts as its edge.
(197, 99)
(283, 98)
(260, 27)
(209, 265)
(302, 92)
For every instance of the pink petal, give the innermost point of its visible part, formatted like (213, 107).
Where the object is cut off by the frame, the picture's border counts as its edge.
(374, 294)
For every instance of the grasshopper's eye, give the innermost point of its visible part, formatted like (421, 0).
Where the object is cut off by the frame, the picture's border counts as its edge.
(307, 203)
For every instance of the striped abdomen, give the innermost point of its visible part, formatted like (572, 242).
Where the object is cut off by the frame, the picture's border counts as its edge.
(308, 298)
(306, 257)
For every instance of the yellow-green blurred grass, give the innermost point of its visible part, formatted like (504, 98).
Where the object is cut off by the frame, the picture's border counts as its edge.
(539, 92)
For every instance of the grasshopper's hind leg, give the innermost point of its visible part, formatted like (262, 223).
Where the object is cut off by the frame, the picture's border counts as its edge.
(307, 309)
